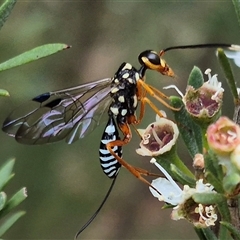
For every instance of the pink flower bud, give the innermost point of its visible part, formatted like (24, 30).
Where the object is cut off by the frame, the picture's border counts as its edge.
(223, 136)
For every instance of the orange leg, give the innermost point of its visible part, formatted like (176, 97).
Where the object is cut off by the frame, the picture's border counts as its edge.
(156, 94)
(137, 172)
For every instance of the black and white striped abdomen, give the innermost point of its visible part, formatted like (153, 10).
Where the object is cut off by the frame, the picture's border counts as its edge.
(109, 164)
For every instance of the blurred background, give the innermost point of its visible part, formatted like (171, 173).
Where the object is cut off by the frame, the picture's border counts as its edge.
(65, 182)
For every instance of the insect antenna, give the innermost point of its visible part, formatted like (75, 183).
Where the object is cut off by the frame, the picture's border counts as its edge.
(98, 210)
(192, 46)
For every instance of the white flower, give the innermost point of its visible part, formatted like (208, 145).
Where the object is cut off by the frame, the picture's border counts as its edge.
(213, 84)
(159, 137)
(185, 207)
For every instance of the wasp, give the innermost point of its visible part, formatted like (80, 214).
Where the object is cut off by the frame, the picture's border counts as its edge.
(73, 113)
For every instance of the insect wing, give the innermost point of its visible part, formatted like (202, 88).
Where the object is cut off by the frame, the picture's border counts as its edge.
(71, 113)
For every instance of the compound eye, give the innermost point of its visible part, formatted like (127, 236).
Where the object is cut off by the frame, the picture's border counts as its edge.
(150, 59)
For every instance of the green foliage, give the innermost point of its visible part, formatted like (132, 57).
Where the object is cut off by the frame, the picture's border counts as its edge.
(7, 205)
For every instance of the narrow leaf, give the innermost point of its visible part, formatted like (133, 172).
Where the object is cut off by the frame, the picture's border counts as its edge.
(236, 4)
(200, 233)
(10, 221)
(181, 177)
(5, 10)
(14, 201)
(208, 198)
(190, 132)
(208, 233)
(4, 93)
(228, 72)
(6, 172)
(234, 231)
(33, 55)
(3, 200)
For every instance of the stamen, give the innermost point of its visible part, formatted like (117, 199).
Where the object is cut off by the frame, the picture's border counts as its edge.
(158, 140)
(169, 178)
(174, 87)
(146, 138)
(208, 72)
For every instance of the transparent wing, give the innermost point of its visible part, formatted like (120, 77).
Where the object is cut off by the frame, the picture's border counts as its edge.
(71, 113)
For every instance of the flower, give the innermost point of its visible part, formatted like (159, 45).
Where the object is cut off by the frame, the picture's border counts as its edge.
(206, 101)
(223, 136)
(200, 215)
(159, 137)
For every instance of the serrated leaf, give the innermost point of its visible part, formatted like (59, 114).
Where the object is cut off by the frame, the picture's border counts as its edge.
(196, 79)
(6, 172)
(10, 221)
(33, 55)
(190, 131)
(14, 201)
(5, 10)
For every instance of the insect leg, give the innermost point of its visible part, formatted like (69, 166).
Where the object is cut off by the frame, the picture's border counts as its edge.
(156, 94)
(137, 172)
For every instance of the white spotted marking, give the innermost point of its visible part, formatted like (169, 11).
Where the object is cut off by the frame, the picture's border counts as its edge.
(127, 66)
(137, 76)
(116, 80)
(130, 80)
(124, 112)
(114, 90)
(135, 101)
(110, 129)
(114, 110)
(125, 75)
(121, 99)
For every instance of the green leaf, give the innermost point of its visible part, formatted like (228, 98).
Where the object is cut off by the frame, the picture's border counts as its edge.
(223, 233)
(214, 172)
(33, 55)
(190, 131)
(231, 182)
(208, 198)
(168, 158)
(211, 178)
(196, 78)
(200, 233)
(234, 231)
(3, 200)
(6, 172)
(236, 4)
(181, 177)
(10, 221)
(5, 10)
(208, 233)
(228, 72)
(14, 201)
(4, 93)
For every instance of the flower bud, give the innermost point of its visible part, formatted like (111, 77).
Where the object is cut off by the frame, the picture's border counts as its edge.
(223, 136)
